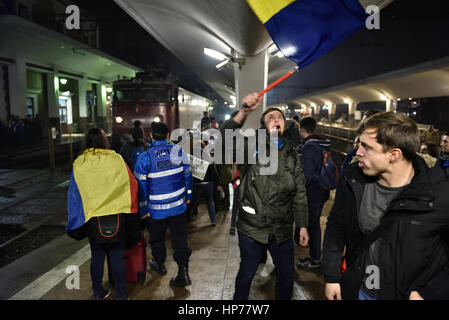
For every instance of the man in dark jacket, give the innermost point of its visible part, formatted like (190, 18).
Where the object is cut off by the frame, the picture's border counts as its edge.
(268, 204)
(311, 162)
(392, 190)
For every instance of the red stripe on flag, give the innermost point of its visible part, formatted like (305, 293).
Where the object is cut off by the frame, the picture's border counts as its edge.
(134, 191)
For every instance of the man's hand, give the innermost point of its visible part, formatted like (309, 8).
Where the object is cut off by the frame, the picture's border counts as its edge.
(187, 201)
(332, 291)
(146, 216)
(414, 295)
(303, 237)
(253, 101)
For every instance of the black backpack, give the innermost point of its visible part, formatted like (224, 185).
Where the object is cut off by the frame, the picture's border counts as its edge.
(330, 168)
(107, 229)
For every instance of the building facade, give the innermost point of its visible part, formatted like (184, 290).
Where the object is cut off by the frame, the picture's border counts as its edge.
(51, 70)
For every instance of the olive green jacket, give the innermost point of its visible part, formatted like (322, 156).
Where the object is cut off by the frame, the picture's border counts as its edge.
(269, 204)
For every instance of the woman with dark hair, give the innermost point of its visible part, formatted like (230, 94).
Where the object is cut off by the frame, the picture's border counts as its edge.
(103, 188)
(138, 146)
(133, 145)
(430, 148)
(95, 138)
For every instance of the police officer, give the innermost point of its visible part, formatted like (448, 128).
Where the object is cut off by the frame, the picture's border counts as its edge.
(165, 188)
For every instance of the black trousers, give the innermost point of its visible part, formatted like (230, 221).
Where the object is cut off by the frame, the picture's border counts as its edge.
(178, 235)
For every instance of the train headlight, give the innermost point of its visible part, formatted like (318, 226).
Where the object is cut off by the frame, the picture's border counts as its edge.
(157, 119)
(118, 119)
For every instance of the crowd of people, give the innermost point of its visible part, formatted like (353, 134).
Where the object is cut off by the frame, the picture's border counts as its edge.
(389, 222)
(19, 132)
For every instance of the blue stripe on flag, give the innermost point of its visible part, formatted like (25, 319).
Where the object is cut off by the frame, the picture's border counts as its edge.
(307, 29)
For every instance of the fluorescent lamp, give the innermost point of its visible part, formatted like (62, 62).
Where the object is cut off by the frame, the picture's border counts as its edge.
(222, 64)
(214, 54)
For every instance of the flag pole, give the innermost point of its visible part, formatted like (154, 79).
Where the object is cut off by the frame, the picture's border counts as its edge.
(274, 84)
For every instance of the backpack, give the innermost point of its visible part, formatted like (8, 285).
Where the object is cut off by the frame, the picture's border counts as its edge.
(108, 229)
(330, 168)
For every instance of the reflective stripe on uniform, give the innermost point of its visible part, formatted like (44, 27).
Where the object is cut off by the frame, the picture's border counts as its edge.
(167, 205)
(140, 176)
(165, 173)
(168, 195)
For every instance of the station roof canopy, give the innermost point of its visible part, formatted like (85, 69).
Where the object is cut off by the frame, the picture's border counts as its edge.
(186, 27)
(430, 79)
(48, 50)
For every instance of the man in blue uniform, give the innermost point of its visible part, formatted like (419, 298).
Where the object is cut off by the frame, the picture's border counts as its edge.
(165, 189)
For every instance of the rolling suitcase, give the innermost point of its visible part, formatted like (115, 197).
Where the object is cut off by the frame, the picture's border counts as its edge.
(136, 262)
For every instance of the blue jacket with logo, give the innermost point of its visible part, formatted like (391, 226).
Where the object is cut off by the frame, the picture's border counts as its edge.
(165, 180)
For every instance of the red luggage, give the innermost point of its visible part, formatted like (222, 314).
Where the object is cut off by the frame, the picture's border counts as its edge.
(136, 262)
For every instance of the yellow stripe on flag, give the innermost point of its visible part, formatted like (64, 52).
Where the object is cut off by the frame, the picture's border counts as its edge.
(103, 183)
(265, 9)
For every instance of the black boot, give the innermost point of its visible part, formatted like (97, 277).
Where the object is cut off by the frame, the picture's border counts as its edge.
(160, 268)
(182, 279)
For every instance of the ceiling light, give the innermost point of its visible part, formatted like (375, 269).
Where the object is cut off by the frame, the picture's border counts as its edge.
(222, 64)
(215, 54)
(63, 81)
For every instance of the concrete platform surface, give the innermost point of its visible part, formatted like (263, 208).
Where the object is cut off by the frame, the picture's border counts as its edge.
(48, 273)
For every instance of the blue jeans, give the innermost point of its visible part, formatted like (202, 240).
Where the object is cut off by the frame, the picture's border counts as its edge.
(251, 252)
(314, 230)
(364, 296)
(208, 190)
(117, 258)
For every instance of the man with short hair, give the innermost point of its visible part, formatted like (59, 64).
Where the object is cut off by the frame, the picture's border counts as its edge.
(268, 204)
(391, 212)
(165, 189)
(443, 158)
(311, 162)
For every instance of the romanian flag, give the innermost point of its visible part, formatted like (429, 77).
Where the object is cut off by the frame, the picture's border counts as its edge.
(304, 30)
(101, 184)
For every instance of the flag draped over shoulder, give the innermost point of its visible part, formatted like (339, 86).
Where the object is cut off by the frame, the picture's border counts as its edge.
(304, 30)
(101, 184)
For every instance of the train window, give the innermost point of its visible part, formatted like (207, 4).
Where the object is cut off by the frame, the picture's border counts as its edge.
(125, 95)
(155, 95)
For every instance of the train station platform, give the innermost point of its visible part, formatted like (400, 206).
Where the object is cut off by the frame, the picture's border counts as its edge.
(47, 273)
(22, 155)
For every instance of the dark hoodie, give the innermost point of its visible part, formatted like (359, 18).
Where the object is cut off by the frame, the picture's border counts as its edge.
(311, 160)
